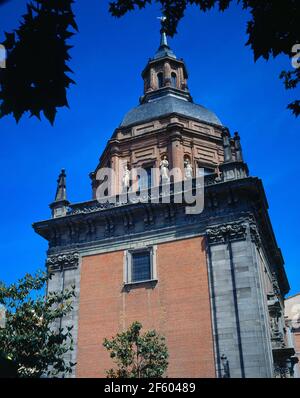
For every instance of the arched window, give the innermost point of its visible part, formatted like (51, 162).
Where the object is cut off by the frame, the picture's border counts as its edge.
(160, 79)
(174, 80)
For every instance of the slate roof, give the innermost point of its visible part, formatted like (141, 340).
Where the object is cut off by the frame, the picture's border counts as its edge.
(165, 106)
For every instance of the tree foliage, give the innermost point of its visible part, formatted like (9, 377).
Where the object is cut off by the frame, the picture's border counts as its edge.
(8, 369)
(36, 78)
(137, 355)
(29, 337)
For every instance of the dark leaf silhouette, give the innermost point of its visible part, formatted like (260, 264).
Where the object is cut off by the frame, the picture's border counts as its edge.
(291, 79)
(35, 79)
(295, 107)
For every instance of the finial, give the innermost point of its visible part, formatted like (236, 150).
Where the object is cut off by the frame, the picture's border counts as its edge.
(163, 40)
(61, 193)
(226, 145)
(238, 147)
(60, 205)
(232, 169)
(164, 50)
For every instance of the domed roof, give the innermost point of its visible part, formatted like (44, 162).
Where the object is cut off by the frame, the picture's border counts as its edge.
(165, 106)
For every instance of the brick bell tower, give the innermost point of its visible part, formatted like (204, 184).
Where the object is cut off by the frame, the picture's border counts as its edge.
(212, 283)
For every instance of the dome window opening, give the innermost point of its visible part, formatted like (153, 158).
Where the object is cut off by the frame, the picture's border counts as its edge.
(160, 79)
(174, 80)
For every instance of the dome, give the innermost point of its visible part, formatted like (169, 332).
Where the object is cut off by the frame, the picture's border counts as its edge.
(165, 106)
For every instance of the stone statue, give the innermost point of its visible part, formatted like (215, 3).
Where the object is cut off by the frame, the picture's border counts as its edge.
(188, 170)
(164, 169)
(126, 179)
(226, 145)
(238, 147)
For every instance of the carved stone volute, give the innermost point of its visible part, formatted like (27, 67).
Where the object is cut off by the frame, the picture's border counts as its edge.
(275, 313)
(62, 261)
(226, 233)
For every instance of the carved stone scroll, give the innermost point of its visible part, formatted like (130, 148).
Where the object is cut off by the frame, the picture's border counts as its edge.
(226, 233)
(62, 261)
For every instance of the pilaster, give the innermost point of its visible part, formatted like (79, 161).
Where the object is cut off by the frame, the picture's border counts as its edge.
(240, 332)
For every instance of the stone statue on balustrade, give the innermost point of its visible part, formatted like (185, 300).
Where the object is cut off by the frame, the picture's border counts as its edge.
(164, 170)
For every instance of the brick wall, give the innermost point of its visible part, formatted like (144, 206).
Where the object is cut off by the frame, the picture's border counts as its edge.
(178, 307)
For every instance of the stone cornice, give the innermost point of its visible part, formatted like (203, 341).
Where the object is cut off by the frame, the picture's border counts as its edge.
(225, 202)
(242, 189)
(162, 129)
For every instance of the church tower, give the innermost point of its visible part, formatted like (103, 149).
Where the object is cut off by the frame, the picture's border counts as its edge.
(212, 282)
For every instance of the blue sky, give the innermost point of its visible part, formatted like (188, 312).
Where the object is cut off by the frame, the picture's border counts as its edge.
(107, 60)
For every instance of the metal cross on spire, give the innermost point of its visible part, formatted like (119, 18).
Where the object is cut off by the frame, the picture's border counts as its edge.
(162, 19)
(164, 50)
(164, 40)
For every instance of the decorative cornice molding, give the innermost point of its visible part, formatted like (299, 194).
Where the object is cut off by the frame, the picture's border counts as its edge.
(226, 233)
(254, 233)
(110, 224)
(63, 261)
(69, 233)
(93, 208)
(275, 284)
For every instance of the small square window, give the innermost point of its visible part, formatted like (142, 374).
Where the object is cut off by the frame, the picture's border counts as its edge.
(141, 266)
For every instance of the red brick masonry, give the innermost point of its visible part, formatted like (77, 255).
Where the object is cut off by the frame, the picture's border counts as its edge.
(178, 307)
